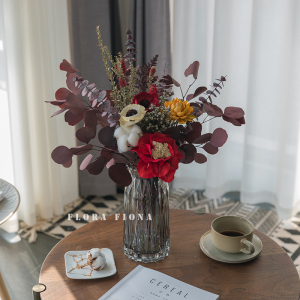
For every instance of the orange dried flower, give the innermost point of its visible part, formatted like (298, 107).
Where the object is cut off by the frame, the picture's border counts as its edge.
(181, 111)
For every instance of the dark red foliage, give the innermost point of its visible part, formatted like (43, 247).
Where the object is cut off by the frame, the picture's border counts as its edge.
(203, 138)
(192, 69)
(219, 137)
(97, 166)
(66, 66)
(90, 119)
(61, 154)
(200, 158)
(213, 110)
(106, 137)
(120, 175)
(75, 104)
(79, 150)
(85, 134)
(211, 149)
(194, 133)
(188, 150)
(71, 119)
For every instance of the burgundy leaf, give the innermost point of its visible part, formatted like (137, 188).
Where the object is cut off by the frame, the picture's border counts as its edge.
(219, 137)
(59, 112)
(75, 104)
(195, 133)
(213, 110)
(107, 153)
(241, 120)
(189, 97)
(62, 94)
(106, 136)
(90, 119)
(79, 150)
(223, 78)
(57, 103)
(66, 66)
(189, 153)
(192, 69)
(113, 119)
(125, 158)
(200, 158)
(174, 132)
(97, 166)
(203, 138)
(85, 134)
(234, 112)
(167, 79)
(61, 154)
(86, 161)
(209, 148)
(232, 121)
(68, 164)
(120, 175)
(71, 119)
(198, 92)
(71, 84)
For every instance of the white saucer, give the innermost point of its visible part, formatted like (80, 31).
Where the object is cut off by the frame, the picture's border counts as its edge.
(72, 258)
(211, 251)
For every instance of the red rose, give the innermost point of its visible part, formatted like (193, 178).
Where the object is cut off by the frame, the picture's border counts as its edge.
(146, 99)
(159, 156)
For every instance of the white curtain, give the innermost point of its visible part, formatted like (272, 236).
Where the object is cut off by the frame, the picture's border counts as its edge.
(257, 44)
(36, 39)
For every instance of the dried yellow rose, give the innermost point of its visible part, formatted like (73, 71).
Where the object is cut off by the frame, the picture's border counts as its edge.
(181, 111)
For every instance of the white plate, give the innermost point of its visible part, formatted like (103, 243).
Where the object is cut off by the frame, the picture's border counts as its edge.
(211, 251)
(75, 258)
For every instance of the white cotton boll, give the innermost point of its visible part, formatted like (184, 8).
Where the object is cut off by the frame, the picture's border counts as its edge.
(123, 145)
(133, 139)
(136, 129)
(119, 132)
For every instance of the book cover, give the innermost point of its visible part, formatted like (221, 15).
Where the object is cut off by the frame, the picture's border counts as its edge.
(147, 284)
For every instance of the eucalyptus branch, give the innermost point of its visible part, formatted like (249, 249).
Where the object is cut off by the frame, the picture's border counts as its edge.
(189, 88)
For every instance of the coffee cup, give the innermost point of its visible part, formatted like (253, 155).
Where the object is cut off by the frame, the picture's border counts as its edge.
(232, 234)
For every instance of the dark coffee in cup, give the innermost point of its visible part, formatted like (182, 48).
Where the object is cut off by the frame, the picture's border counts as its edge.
(232, 233)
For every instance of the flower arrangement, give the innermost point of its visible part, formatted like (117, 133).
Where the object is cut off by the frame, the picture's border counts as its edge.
(141, 125)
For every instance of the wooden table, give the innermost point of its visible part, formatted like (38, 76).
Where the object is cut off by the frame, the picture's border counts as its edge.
(272, 275)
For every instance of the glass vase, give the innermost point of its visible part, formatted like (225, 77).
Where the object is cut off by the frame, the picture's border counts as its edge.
(146, 236)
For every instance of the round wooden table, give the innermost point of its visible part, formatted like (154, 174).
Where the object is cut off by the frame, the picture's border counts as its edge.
(272, 275)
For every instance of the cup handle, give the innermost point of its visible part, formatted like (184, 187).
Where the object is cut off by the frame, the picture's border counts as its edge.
(249, 247)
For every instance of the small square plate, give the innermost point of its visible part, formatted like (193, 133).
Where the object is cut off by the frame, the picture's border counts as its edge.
(75, 258)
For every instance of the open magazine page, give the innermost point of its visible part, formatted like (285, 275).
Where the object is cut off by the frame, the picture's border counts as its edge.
(146, 284)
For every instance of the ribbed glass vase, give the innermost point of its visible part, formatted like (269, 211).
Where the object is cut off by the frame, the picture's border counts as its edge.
(146, 235)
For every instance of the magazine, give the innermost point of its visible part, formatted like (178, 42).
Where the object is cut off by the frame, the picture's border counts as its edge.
(146, 284)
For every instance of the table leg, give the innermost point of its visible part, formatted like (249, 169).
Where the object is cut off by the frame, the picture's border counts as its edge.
(3, 290)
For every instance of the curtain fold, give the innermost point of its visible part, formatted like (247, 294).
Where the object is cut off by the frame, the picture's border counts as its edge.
(150, 23)
(86, 16)
(36, 40)
(255, 43)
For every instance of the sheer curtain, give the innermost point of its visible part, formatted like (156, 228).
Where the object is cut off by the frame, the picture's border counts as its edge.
(36, 39)
(257, 44)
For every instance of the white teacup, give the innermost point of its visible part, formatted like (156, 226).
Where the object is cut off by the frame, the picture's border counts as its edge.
(232, 234)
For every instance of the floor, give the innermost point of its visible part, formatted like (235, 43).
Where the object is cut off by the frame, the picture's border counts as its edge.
(20, 262)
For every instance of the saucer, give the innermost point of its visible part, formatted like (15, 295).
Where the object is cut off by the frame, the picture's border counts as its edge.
(211, 251)
(75, 258)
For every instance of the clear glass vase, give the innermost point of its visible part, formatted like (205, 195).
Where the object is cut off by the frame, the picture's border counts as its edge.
(146, 236)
